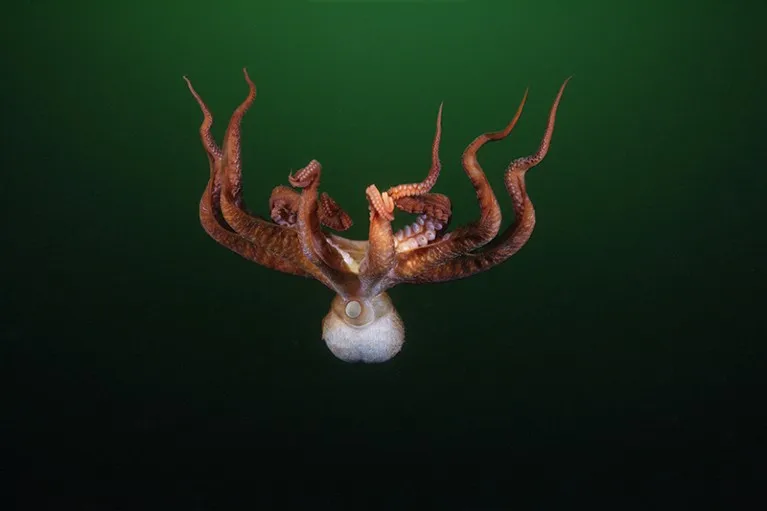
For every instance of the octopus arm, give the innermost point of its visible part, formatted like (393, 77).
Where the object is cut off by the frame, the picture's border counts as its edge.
(467, 251)
(220, 210)
(472, 236)
(242, 246)
(495, 252)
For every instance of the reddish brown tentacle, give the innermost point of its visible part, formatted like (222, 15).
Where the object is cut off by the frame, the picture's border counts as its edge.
(208, 142)
(211, 216)
(271, 237)
(313, 241)
(413, 189)
(304, 177)
(474, 235)
(486, 228)
(213, 152)
(222, 234)
(380, 258)
(380, 203)
(517, 234)
(433, 205)
(521, 165)
(280, 242)
(332, 215)
(231, 145)
(284, 203)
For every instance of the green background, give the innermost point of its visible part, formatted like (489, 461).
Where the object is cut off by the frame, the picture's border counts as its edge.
(619, 357)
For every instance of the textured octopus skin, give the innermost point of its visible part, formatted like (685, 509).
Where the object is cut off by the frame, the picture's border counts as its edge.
(362, 324)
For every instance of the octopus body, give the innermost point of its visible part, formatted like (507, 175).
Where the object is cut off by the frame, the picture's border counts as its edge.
(362, 324)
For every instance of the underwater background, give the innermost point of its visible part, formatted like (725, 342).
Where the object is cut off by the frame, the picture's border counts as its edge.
(618, 359)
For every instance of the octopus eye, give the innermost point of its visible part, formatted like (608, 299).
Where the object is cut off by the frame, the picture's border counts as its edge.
(353, 309)
(363, 329)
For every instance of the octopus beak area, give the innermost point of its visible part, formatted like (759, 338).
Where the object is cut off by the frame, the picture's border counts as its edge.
(363, 330)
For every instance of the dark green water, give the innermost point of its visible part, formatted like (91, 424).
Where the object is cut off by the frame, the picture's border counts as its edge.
(617, 359)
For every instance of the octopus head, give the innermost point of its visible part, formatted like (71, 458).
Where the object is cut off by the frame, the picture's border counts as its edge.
(363, 330)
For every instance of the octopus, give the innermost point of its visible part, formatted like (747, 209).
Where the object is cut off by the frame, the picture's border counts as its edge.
(300, 237)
